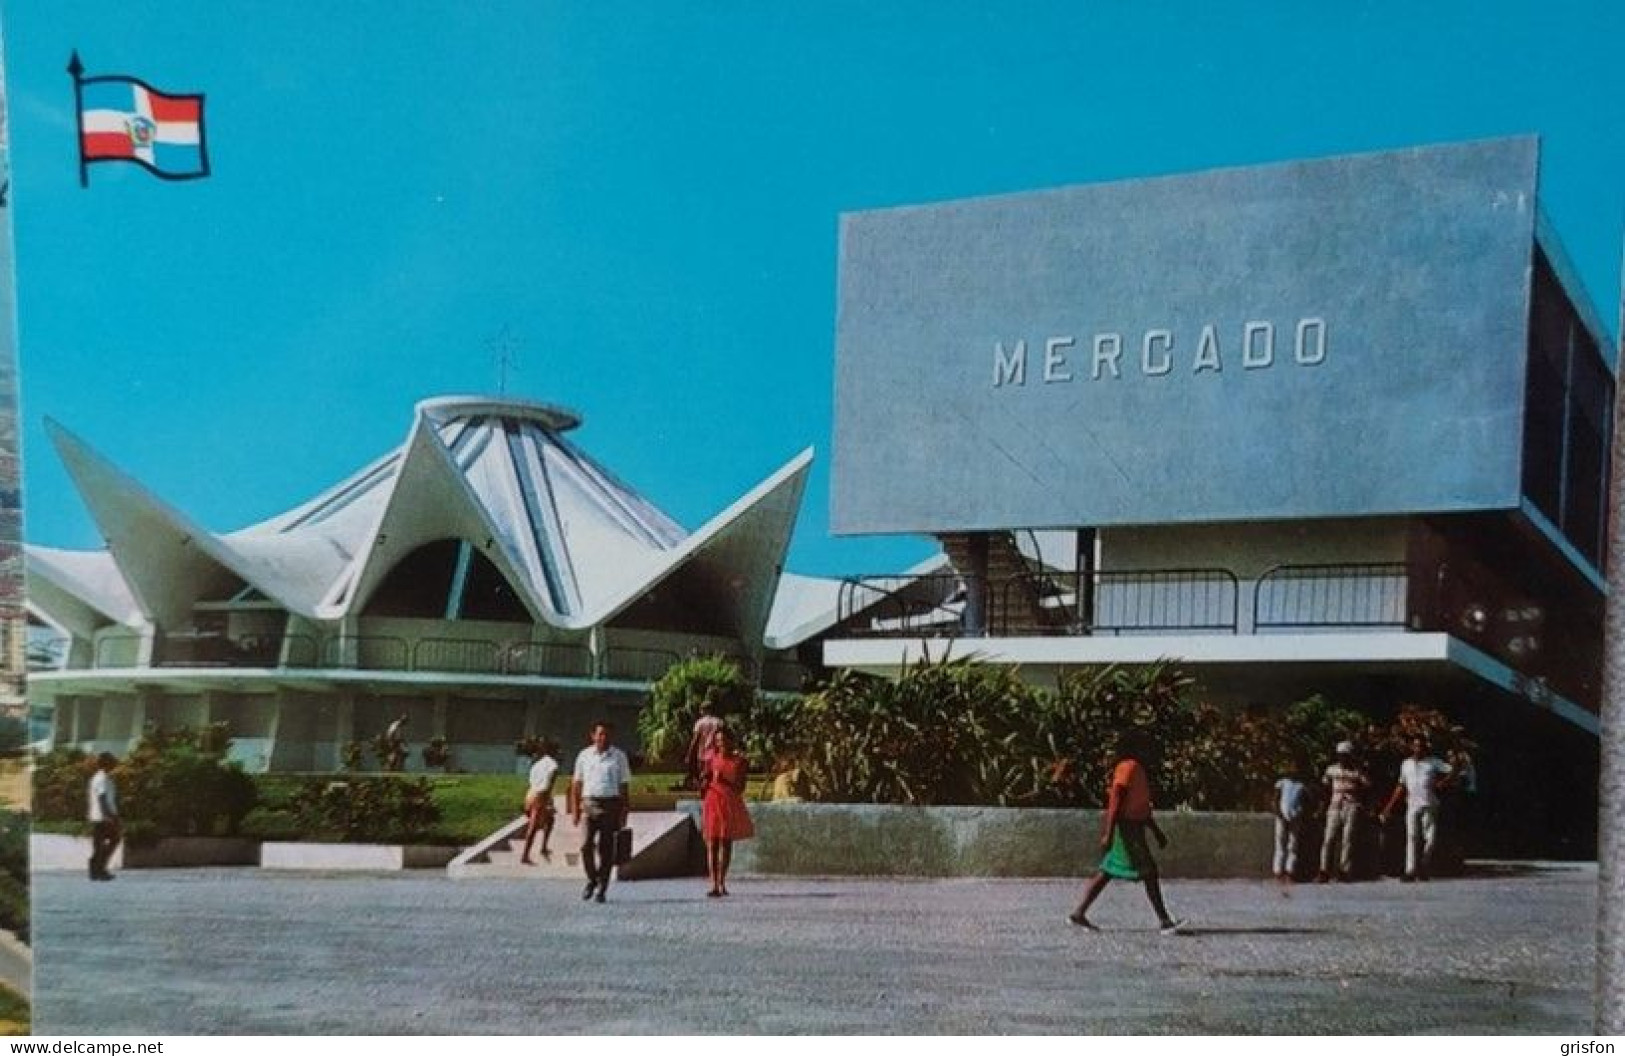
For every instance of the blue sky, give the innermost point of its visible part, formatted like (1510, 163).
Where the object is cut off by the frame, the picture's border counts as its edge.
(645, 197)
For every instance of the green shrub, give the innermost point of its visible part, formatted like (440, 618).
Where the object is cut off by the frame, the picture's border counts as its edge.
(365, 809)
(941, 733)
(178, 783)
(667, 720)
(61, 782)
(437, 754)
(14, 903)
(174, 783)
(962, 732)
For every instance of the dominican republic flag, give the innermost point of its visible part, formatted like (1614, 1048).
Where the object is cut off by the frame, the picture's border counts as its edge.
(126, 119)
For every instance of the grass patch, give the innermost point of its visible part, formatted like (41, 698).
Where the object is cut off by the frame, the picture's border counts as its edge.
(472, 806)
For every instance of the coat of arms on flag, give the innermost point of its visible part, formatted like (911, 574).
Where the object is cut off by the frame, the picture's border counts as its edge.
(126, 119)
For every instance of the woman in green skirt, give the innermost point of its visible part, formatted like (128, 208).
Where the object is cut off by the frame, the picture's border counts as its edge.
(1127, 856)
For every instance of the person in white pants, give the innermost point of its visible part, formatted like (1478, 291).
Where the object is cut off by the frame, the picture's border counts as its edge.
(1420, 777)
(1345, 785)
(1291, 809)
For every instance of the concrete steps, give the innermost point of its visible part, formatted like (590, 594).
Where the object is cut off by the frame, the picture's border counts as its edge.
(663, 845)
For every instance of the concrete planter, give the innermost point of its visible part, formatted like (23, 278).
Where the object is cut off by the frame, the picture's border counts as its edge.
(834, 839)
(192, 852)
(51, 853)
(364, 857)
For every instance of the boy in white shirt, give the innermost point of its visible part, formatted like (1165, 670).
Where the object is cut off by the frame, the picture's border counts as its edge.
(102, 813)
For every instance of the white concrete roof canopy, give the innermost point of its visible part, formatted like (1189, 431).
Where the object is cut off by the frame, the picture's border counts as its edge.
(577, 545)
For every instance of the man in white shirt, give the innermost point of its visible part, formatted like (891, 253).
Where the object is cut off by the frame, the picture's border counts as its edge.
(1419, 779)
(601, 788)
(102, 812)
(539, 799)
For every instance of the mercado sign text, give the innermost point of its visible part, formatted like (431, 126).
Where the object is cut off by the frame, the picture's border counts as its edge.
(1256, 345)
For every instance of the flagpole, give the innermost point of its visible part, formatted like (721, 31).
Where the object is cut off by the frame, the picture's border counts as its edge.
(1610, 995)
(77, 68)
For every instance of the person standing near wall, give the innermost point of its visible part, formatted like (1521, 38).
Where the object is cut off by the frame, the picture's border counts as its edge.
(1291, 811)
(1345, 785)
(102, 810)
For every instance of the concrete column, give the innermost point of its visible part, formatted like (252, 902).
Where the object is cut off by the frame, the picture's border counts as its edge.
(976, 584)
(1610, 992)
(437, 723)
(138, 716)
(344, 720)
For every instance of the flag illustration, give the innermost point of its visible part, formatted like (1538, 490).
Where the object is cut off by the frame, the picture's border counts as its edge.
(126, 119)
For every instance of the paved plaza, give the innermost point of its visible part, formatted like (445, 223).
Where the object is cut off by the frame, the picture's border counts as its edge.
(246, 951)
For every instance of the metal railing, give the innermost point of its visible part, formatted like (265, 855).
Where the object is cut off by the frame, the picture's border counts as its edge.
(635, 665)
(117, 650)
(930, 605)
(393, 653)
(1139, 602)
(366, 652)
(548, 658)
(457, 654)
(1351, 595)
(1151, 601)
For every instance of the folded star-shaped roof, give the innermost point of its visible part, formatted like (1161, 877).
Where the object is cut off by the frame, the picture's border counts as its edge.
(575, 545)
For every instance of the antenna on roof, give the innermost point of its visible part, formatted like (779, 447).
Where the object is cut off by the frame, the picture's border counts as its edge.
(502, 347)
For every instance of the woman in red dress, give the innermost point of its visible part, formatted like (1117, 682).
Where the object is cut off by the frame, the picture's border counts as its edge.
(723, 817)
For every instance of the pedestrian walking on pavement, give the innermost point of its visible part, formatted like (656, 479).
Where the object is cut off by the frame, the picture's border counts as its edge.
(539, 799)
(600, 790)
(106, 830)
(1125, 853)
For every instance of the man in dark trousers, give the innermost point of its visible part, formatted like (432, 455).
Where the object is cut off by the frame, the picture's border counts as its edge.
(103, 814)
(601, 789)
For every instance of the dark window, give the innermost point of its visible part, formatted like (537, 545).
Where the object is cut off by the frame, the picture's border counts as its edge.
(419, 585)
(1568, 396)
(487, 594)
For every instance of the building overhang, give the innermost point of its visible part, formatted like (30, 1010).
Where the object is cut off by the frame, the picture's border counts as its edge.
(44, 687)
(1378, 653)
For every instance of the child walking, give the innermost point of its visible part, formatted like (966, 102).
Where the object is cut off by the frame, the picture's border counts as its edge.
(1122, 838)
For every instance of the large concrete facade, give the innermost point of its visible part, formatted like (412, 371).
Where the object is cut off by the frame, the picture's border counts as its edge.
(1336, 426)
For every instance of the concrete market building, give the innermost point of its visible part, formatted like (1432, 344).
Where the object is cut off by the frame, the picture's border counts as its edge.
(488, 579)
(1336, 426)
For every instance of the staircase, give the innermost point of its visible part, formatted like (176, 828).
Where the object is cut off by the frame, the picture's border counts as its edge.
(664, 844)
(1012, 584)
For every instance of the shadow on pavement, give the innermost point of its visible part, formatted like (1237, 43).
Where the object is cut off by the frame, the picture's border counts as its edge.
(1254, 931)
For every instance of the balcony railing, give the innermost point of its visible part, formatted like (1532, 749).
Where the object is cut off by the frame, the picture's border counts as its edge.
(1155, 601)
(1141, 602)
(910, 606)
(386, 653)
(1299, 597)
